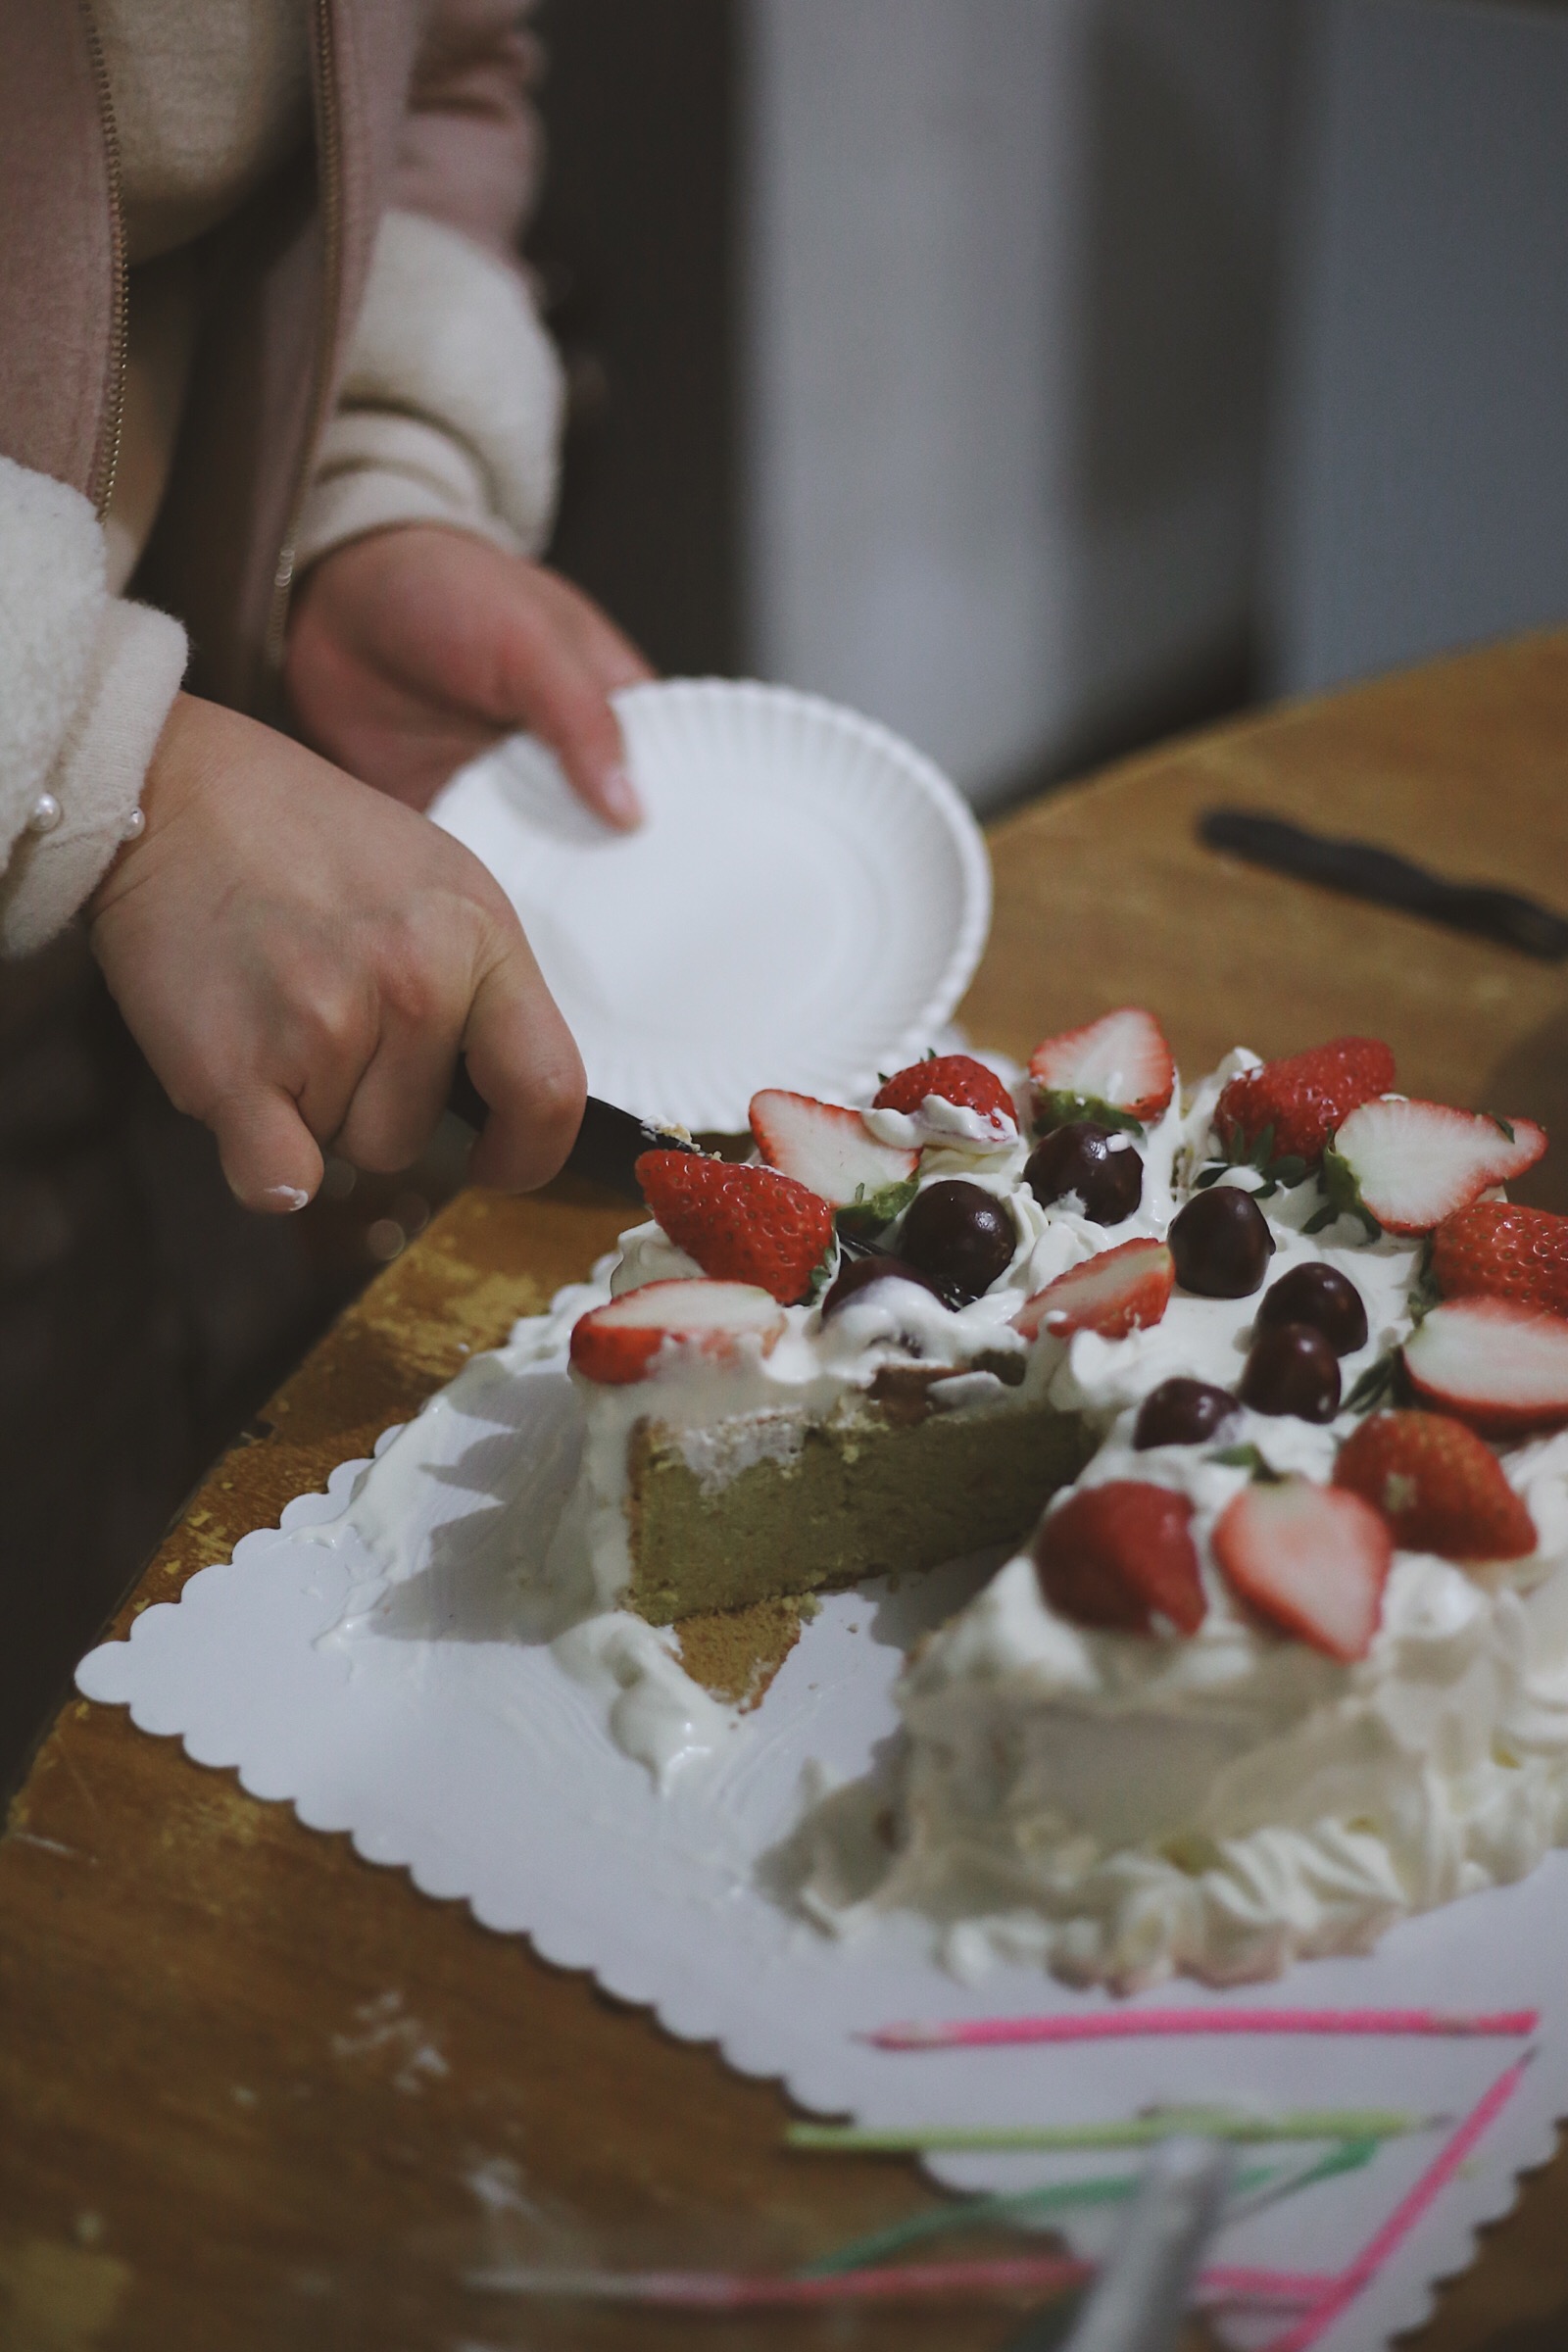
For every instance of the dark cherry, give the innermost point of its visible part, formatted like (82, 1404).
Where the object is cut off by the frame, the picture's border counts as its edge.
(858, 1273)
(1098, 1164)
(1291, 1368)
(1181, 1412)
(1221, 1243)
(961, 1234)
(1322, 1296)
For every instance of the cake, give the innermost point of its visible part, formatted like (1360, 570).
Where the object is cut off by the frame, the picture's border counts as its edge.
(1261, 1391)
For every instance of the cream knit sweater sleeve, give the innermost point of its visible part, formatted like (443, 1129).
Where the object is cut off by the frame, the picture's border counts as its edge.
(451, 404)
(86, 683)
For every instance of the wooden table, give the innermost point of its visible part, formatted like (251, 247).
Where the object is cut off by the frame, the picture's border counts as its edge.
(254, 2093)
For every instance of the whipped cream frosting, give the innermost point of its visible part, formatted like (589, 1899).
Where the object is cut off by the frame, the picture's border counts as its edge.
(1118, 1806)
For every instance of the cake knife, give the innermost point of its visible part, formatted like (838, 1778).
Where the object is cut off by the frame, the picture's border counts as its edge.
(609, 1141)
(1368, 873)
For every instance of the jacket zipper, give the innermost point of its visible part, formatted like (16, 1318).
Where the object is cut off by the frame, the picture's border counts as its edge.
(106, 456)
(329, 170)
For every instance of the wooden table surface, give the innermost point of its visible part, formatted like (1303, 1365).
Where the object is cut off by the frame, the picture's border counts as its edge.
(254, 2093)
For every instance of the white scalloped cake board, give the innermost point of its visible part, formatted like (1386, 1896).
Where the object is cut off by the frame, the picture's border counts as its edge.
(443, 1743)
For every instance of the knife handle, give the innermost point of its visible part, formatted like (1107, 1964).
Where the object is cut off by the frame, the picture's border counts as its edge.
(609, 1141)
(465, 1101)
(1365, 871)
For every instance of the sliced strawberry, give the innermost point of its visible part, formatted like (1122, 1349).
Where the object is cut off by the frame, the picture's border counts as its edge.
(1502, 1368)
(1303, 1097)
(956, 1078)
(1439, 1485)
(1500, 1249)
(1313, 1560)
(829, 1149)
(741, 1224)
(1116, 1292)
(1120, 1555)
(1120, 1063)
(617, 1342)
(1411, 1164)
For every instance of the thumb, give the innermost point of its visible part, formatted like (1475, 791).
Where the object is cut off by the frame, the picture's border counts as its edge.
(269, 1157)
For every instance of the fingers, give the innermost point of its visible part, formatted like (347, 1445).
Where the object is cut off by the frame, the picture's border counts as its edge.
(566, 660)
(399, 1098)
(269, 1157)
(611, 657)
(571, 711)
(522, 1059)
(411, 649)
(493, 1007)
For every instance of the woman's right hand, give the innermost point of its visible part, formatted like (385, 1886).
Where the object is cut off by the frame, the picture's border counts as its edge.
(301, 960)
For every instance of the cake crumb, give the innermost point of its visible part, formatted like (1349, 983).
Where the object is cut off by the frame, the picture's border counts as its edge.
(735, 1653)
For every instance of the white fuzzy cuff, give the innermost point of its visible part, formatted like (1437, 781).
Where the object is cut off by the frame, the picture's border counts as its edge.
(134, 673)
(377, 470)
(52, 598)
(447, 344)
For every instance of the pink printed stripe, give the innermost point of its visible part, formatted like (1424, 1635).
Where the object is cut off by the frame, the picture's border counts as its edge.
(1118, 2025)
(1404, 2217)
(891, 2282)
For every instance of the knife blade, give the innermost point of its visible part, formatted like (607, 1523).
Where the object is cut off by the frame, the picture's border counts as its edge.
(609, 1141)
(1365, 871)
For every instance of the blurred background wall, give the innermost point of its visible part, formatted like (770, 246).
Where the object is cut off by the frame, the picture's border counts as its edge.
(1043, 375)
(1420, 486)
(1010, 281)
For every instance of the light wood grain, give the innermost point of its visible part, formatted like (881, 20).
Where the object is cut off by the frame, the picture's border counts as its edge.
(256, 2092)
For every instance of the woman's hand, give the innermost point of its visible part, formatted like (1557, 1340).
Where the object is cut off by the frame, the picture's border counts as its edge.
(301, 960)
(412, 650)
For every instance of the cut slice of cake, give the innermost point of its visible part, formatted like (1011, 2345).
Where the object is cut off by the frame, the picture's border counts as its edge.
(790, 1503)
(877, 1407)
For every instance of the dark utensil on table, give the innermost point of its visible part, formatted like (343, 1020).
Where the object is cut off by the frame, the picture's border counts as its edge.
(609, 1141)
(1368, 873)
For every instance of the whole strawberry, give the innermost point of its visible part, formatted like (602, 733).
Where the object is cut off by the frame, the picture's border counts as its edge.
(1439, 1485)
(1499, 1250)
(1119, 1555)
(1303, 1097)
(741, 1224)
(956, 1078)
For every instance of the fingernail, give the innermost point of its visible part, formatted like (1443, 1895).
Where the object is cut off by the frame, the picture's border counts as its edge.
(288, 1196)
(620, 796)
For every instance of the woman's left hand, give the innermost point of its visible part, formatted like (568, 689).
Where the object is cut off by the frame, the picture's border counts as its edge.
(412, 650)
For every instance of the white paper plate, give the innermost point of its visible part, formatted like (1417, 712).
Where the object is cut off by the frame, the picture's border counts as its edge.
(804, 906)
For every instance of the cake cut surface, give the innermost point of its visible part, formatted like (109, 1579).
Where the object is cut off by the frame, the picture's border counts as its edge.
(817, 1504)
